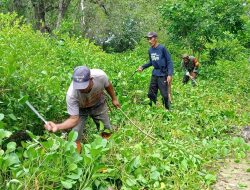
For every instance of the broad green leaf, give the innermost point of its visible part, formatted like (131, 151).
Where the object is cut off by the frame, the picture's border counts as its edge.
(67, 184)
(1, 116)
(72, 136)
(167, 168)
(1, 152)
(101, 126)
(210, 178)
(72, 167)
(12, 159)
(136, 162)
(4, 134)
(140, 178)
(130, 182)
(12, 116)
(11, 146)
(153, 168)
(44, 72)
(184, 164)
(31, 153)
(97, 183)
(156, 155)
(47, 144)
(87, 158)
(155, 175)
(107, 131)
(95, 153)
(73, 176)
(55, 146)
(138, 172)
(163, 186)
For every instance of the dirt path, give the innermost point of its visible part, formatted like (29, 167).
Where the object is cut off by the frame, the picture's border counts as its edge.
(234, 176)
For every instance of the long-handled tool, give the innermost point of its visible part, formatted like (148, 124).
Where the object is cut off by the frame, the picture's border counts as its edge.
(148, 135)
(36, 112)
(134, 73)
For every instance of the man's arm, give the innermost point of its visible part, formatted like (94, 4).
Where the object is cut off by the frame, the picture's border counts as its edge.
(141, 68)
(111, 93)
(147, 65)
(196, 65)
(170, 65)
(169, 62)
(71, 122)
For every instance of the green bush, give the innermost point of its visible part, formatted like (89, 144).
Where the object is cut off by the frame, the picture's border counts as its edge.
(226, 48)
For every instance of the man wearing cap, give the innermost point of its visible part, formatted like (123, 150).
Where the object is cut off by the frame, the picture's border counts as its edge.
(190, 66)
(85, 97)
(162, 73)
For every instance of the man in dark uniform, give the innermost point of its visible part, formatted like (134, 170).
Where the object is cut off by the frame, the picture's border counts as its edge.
(162, 73)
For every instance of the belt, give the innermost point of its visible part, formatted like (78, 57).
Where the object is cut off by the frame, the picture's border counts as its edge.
(93, 107)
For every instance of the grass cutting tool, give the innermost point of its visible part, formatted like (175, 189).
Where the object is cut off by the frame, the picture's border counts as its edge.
(133, 73)
(36, 112)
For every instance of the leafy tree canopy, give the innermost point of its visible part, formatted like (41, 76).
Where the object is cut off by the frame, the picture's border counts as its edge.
(197, 22)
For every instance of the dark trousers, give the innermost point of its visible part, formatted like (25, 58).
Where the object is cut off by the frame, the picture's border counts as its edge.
(161, 84)
(185, 79)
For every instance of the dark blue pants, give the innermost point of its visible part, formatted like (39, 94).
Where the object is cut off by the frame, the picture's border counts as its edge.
(161, 84)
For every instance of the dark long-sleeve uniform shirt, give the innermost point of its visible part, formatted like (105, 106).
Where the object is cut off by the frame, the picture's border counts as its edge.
(160, 59)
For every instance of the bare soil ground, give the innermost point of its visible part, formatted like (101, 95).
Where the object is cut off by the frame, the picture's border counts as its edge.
(234, 176)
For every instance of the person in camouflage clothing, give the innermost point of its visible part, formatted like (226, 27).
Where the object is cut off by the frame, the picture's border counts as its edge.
(190, 66)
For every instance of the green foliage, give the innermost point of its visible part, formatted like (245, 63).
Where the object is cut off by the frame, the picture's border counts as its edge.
(227, 47)
(197, 22)
(22, 52)
(114, 25)
(53, 163)
(190, 139)
(126, 39)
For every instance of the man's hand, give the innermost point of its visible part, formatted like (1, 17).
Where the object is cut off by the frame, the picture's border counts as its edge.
(116, 103)
(169, 79)
(140, 69)
(188, 74)
(50, 126)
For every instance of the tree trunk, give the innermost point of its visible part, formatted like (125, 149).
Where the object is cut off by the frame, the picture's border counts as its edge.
(62, 8)
(82, 20)
(39, 12)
